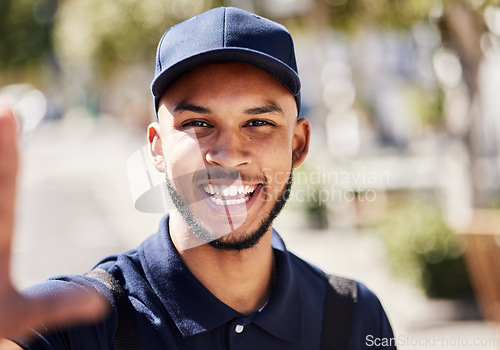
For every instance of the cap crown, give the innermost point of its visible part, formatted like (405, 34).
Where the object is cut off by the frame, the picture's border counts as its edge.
(225, 34)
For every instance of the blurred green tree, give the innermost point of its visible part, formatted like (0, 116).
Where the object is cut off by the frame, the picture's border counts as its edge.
(463, 31)
(423, 249)
(111, 34)
(26, 31)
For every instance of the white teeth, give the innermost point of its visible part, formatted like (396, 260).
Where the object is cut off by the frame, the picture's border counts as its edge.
(210, 189)
(233, 191)
(250, 189)
(220, 201)
(228, 191)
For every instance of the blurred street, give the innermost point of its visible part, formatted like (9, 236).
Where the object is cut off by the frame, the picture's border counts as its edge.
(74, 208)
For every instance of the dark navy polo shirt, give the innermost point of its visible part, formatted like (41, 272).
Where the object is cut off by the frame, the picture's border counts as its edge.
(175, 311)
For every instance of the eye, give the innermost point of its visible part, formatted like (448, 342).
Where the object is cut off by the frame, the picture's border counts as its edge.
(195, 124)
(259, 122)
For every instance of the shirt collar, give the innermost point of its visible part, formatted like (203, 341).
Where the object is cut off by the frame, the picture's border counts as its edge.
(195, 310)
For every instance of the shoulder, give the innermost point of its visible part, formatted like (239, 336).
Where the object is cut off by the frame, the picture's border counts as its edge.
(130, 269)
(97, 335)
(367, 305)
(371, 326)
(127, 268)
(368, 301)
(353, 302)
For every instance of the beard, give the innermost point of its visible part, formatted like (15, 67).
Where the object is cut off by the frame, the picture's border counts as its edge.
(228, 242)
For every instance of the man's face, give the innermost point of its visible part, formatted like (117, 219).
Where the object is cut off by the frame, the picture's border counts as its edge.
(227, 138)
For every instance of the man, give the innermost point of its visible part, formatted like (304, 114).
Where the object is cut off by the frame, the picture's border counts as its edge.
(216, 275)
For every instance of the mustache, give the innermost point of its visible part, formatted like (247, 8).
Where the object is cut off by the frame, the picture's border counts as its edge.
(226, 174)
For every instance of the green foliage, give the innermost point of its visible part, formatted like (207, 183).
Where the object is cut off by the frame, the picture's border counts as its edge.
(421, 247)
(428, 105)
(310, 201)
(111, 33)
(25, 31)
(350, 14)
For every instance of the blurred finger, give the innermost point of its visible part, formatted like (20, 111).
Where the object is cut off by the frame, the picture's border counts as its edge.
(6, 344)
(70, 307)
(8, 173)
(19, 314)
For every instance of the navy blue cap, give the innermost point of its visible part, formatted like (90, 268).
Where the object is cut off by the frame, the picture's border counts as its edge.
(226, 34)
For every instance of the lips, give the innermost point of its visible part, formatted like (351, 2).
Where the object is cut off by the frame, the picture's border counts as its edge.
(229, 195)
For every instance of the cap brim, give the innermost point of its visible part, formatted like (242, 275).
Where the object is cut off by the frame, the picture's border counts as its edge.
(282, 72)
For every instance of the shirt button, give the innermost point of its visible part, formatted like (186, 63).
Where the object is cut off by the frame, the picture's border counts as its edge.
(239, 328)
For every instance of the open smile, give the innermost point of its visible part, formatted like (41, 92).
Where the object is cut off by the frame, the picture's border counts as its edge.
(234, 196)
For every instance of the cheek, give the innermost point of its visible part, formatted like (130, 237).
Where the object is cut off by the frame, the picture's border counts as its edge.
(277, 163)
(183, 156)
(278, 151)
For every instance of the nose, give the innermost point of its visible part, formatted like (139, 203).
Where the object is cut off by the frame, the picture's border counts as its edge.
(229, 149)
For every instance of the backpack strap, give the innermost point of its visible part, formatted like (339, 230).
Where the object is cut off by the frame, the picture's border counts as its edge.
(340, 301)
(127, 333)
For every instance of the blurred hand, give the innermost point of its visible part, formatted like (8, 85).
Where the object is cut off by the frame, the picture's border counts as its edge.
(19, 313)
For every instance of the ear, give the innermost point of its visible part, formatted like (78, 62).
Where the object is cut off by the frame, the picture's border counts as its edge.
(156, 147)
(300, 144)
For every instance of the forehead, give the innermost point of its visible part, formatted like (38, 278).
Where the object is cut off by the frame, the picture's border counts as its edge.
(233, 80)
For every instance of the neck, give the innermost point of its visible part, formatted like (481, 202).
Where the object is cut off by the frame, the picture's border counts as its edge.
(240, 279)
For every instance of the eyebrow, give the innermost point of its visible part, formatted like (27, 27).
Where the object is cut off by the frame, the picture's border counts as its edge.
(270, 107)
(185, 106)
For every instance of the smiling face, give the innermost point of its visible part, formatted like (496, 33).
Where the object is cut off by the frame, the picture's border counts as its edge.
(227, 139)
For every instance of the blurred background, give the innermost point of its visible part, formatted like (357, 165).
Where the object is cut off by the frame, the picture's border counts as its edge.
(401, 189)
